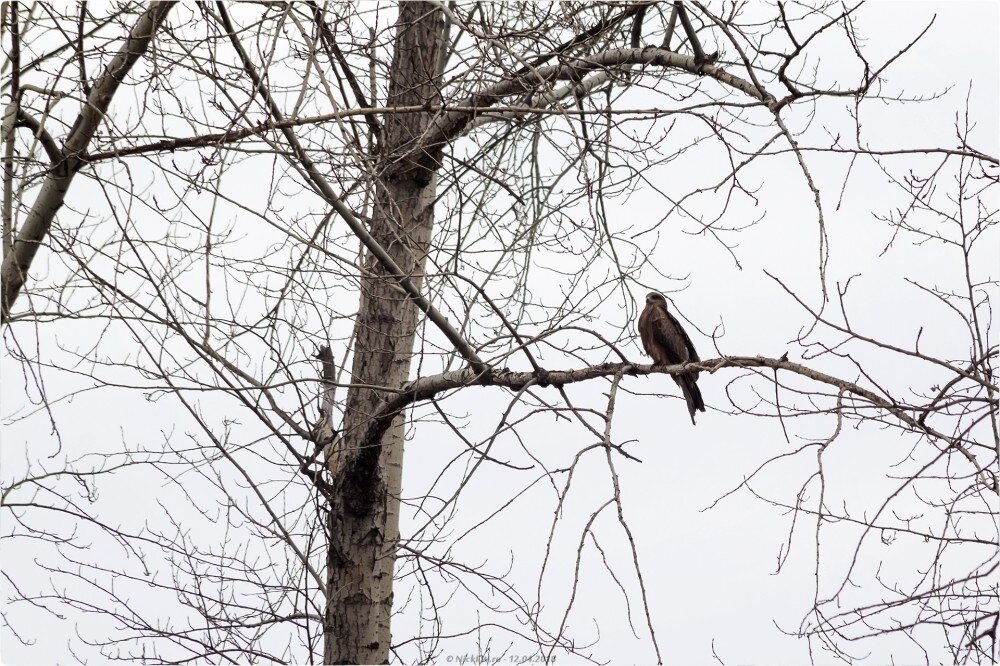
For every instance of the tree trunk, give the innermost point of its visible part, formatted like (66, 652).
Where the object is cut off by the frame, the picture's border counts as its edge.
(364, 511)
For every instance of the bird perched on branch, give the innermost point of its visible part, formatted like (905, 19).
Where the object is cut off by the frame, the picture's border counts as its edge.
(667, 343)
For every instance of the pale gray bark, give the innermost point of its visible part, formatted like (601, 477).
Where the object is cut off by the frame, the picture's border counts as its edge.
(363, 523)
(326, 436)
(33, 232)
(364, 509)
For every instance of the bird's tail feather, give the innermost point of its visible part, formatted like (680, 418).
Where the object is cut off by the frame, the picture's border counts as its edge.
(692, 395)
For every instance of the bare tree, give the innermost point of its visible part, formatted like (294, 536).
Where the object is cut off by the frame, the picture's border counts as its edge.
(266, 248)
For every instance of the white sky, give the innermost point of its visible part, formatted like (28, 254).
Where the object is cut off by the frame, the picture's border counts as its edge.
(709, 574)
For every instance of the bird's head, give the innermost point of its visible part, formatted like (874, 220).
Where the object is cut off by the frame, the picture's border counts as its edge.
(655, 298)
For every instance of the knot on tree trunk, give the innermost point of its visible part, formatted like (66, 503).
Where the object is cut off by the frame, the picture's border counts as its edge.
(416, 166)
(360, 483)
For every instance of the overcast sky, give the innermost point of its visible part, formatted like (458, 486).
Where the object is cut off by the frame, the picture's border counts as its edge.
(711, 575)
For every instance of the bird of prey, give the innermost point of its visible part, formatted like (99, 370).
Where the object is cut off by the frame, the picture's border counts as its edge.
(667, 343)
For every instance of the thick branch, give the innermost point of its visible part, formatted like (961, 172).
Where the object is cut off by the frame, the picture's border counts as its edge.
(699, 53)
(669, 35)
(451, 124)
(49, 144)
(169, 145)
(428, 387)
(587, 35)
(16, 264)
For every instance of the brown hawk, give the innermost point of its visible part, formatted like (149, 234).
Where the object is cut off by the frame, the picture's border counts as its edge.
(667, 343)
